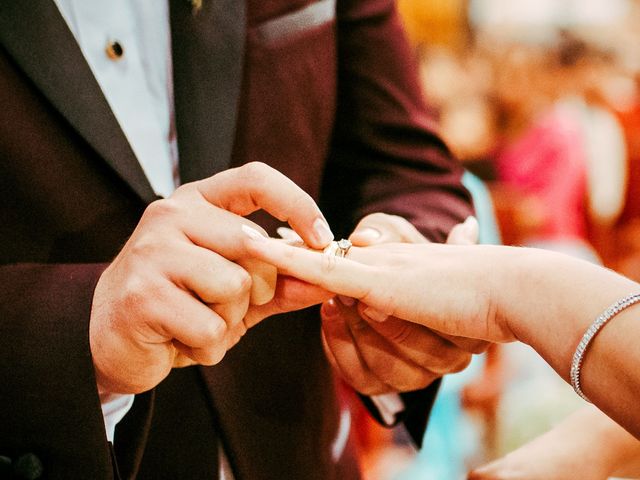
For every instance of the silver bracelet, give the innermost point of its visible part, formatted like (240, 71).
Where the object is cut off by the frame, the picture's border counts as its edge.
(592, 331)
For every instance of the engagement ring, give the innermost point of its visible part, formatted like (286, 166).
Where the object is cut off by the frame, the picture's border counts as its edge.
(343, 247)
(338, 249)
(335, 250)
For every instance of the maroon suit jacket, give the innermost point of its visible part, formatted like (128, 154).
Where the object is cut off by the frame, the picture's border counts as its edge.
(332, 101)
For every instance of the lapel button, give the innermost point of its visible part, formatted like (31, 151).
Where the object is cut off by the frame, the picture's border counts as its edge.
(114, 50)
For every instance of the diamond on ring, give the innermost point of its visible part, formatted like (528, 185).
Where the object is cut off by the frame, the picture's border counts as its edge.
(335, 250)
(343, 248)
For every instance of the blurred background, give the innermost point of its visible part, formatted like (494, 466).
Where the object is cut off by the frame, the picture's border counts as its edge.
(540, 99)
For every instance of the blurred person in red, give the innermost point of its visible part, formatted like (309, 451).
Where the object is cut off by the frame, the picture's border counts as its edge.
(543, 153)
(619, 239)
(570, 155)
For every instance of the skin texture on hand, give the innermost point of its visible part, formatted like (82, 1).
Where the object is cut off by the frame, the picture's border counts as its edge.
(263, 280)
(415, 282)
(174, 295)
(378, 354)
(500, 294)
(587, 445)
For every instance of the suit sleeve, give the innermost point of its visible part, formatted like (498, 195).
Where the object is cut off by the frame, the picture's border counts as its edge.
(386, 154)
(49, 404)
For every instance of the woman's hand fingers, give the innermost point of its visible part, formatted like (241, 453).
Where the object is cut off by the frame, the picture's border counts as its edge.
(338, 275)
(465, 233)
(342, 351)
(380, 228)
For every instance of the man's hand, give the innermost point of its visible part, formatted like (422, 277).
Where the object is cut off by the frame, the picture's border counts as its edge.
(290, 295)
(376, 354)
(174, 295)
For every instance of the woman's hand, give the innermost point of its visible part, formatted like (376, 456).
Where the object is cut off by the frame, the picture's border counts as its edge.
(445, 287)
(394, 355)
(587, 445)
(544, 299)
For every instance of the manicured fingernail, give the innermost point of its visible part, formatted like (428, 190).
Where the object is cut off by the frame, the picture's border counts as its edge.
(367, 235)
(294, 242)
(346, 301)
(288, 234)
(322, 231)
(330, 308)
(470, 225)
(253, 233)
(375, 315)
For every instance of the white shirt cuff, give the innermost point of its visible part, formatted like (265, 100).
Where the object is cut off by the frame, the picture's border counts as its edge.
(114, 407)
(390, 405)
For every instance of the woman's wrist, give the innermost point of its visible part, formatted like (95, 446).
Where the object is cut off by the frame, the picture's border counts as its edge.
(555, 298)
(513, 295)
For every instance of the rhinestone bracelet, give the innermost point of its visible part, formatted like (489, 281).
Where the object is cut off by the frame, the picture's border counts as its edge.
(592, 331)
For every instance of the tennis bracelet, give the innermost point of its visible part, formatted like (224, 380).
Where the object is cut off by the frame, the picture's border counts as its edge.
(592, 331)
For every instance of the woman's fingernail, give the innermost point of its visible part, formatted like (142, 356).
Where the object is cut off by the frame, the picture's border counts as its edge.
(288, 234)
(253, 233)
(322, 231)
(346, 301)
(375, 315)
(470, 220)
(330, 308)
(294, 242)
(368, 235)
(470, 225)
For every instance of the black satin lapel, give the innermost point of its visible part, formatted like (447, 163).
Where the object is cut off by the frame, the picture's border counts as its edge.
(38, 39)
(208, 54)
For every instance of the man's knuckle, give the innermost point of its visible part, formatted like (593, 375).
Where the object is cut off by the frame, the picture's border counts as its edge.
(423, 381)
(478, 347)
(145, 246)
(458, 361)
(401, 334)
(134, 285)
(254, 171)
(384, 301)
(211, 356)
(302, 198)
(185, 189)
(300, 201)
(367, 388)
(213, 333)
(135, 291)
(416, 379)
(238, 283)
(464, 362)
(241, 329)
(438, 361)
(163, 208)
(356, 377)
